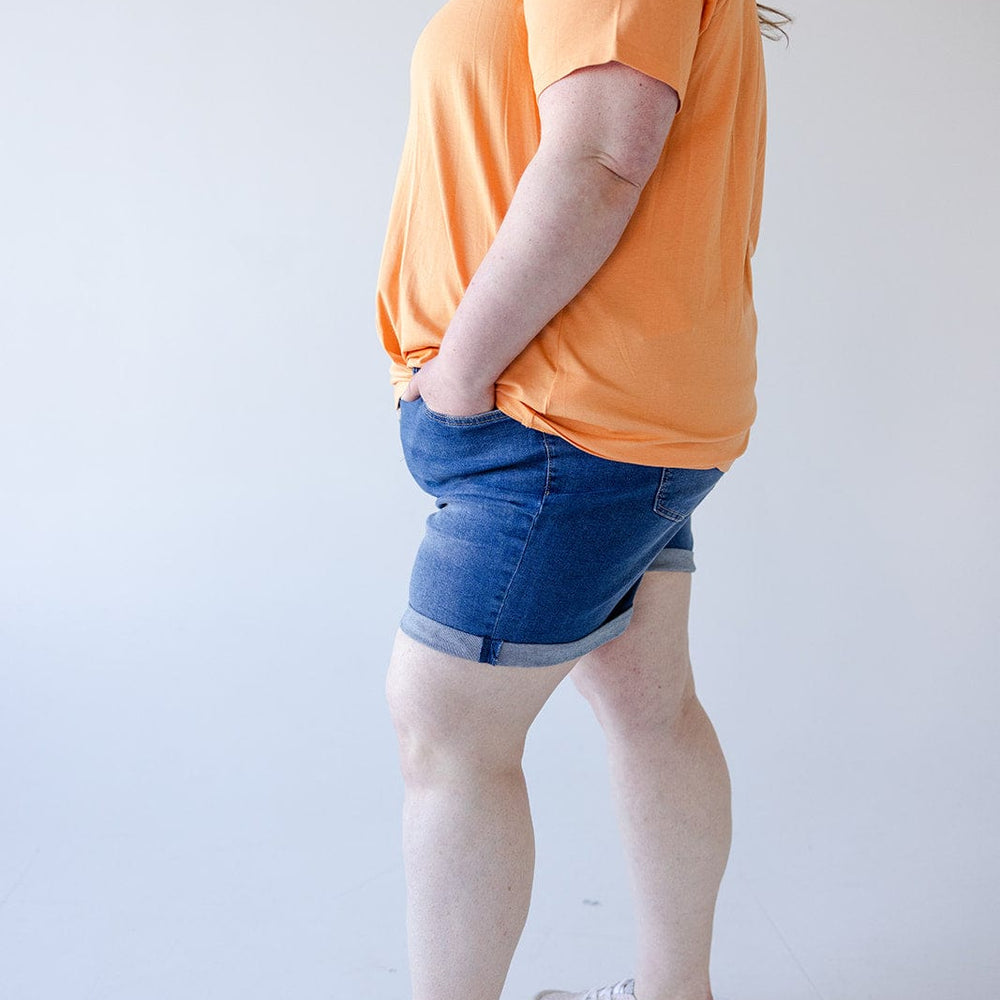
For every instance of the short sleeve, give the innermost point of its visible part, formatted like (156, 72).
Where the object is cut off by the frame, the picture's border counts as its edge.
(656, 37)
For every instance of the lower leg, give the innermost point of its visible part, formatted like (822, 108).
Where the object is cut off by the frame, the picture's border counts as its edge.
(468, 850)
(671, 786)
(673, 794)
(468, 844)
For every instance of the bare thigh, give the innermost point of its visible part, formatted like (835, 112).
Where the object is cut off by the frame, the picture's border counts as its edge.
(463, 705)
(646, 671)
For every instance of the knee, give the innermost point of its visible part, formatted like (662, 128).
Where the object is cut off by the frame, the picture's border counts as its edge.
(636, 694)
(420, 732)
(442, 740)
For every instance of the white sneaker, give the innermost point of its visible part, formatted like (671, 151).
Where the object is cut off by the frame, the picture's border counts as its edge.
(620, 991)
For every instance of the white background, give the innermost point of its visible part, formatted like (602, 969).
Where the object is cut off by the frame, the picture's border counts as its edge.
(206, 525)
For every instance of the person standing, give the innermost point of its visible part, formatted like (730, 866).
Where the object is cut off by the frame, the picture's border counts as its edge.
(565, 295)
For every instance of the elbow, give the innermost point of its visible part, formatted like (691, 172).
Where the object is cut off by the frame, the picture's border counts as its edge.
(629, 174)
(636, 168)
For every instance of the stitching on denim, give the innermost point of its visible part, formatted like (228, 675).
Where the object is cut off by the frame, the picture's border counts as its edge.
(659, 505)
(489, 417)
(548, 466)
(527, 538)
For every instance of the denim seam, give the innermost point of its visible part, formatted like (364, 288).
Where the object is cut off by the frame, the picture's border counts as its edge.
(527, 538)
(659, 504)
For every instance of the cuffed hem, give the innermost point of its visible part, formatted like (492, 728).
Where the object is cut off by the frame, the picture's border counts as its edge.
(500, 652)
(681, 560)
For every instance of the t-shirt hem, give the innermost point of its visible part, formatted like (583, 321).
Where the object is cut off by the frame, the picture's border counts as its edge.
(683, 455)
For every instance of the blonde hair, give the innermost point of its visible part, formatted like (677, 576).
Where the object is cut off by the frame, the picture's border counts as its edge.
(769, 27)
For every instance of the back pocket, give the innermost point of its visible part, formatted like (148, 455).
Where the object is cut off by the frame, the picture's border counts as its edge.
(681, 490)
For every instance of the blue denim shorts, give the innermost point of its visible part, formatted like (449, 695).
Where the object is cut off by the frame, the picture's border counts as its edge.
(536, 548)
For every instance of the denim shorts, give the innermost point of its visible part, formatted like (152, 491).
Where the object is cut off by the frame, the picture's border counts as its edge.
(536, 548)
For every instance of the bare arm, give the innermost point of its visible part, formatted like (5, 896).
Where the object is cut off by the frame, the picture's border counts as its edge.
(603, 129)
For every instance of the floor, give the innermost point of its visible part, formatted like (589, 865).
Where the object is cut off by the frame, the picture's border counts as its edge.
(208, 817)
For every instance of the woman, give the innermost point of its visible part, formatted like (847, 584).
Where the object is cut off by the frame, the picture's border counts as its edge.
(565, 294)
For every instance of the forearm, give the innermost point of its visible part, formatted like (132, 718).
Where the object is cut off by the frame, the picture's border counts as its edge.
(565, 218)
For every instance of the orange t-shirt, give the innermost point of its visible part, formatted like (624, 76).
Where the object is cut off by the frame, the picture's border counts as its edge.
(654, 360)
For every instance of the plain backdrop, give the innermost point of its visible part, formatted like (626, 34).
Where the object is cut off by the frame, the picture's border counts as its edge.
(206, 524)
